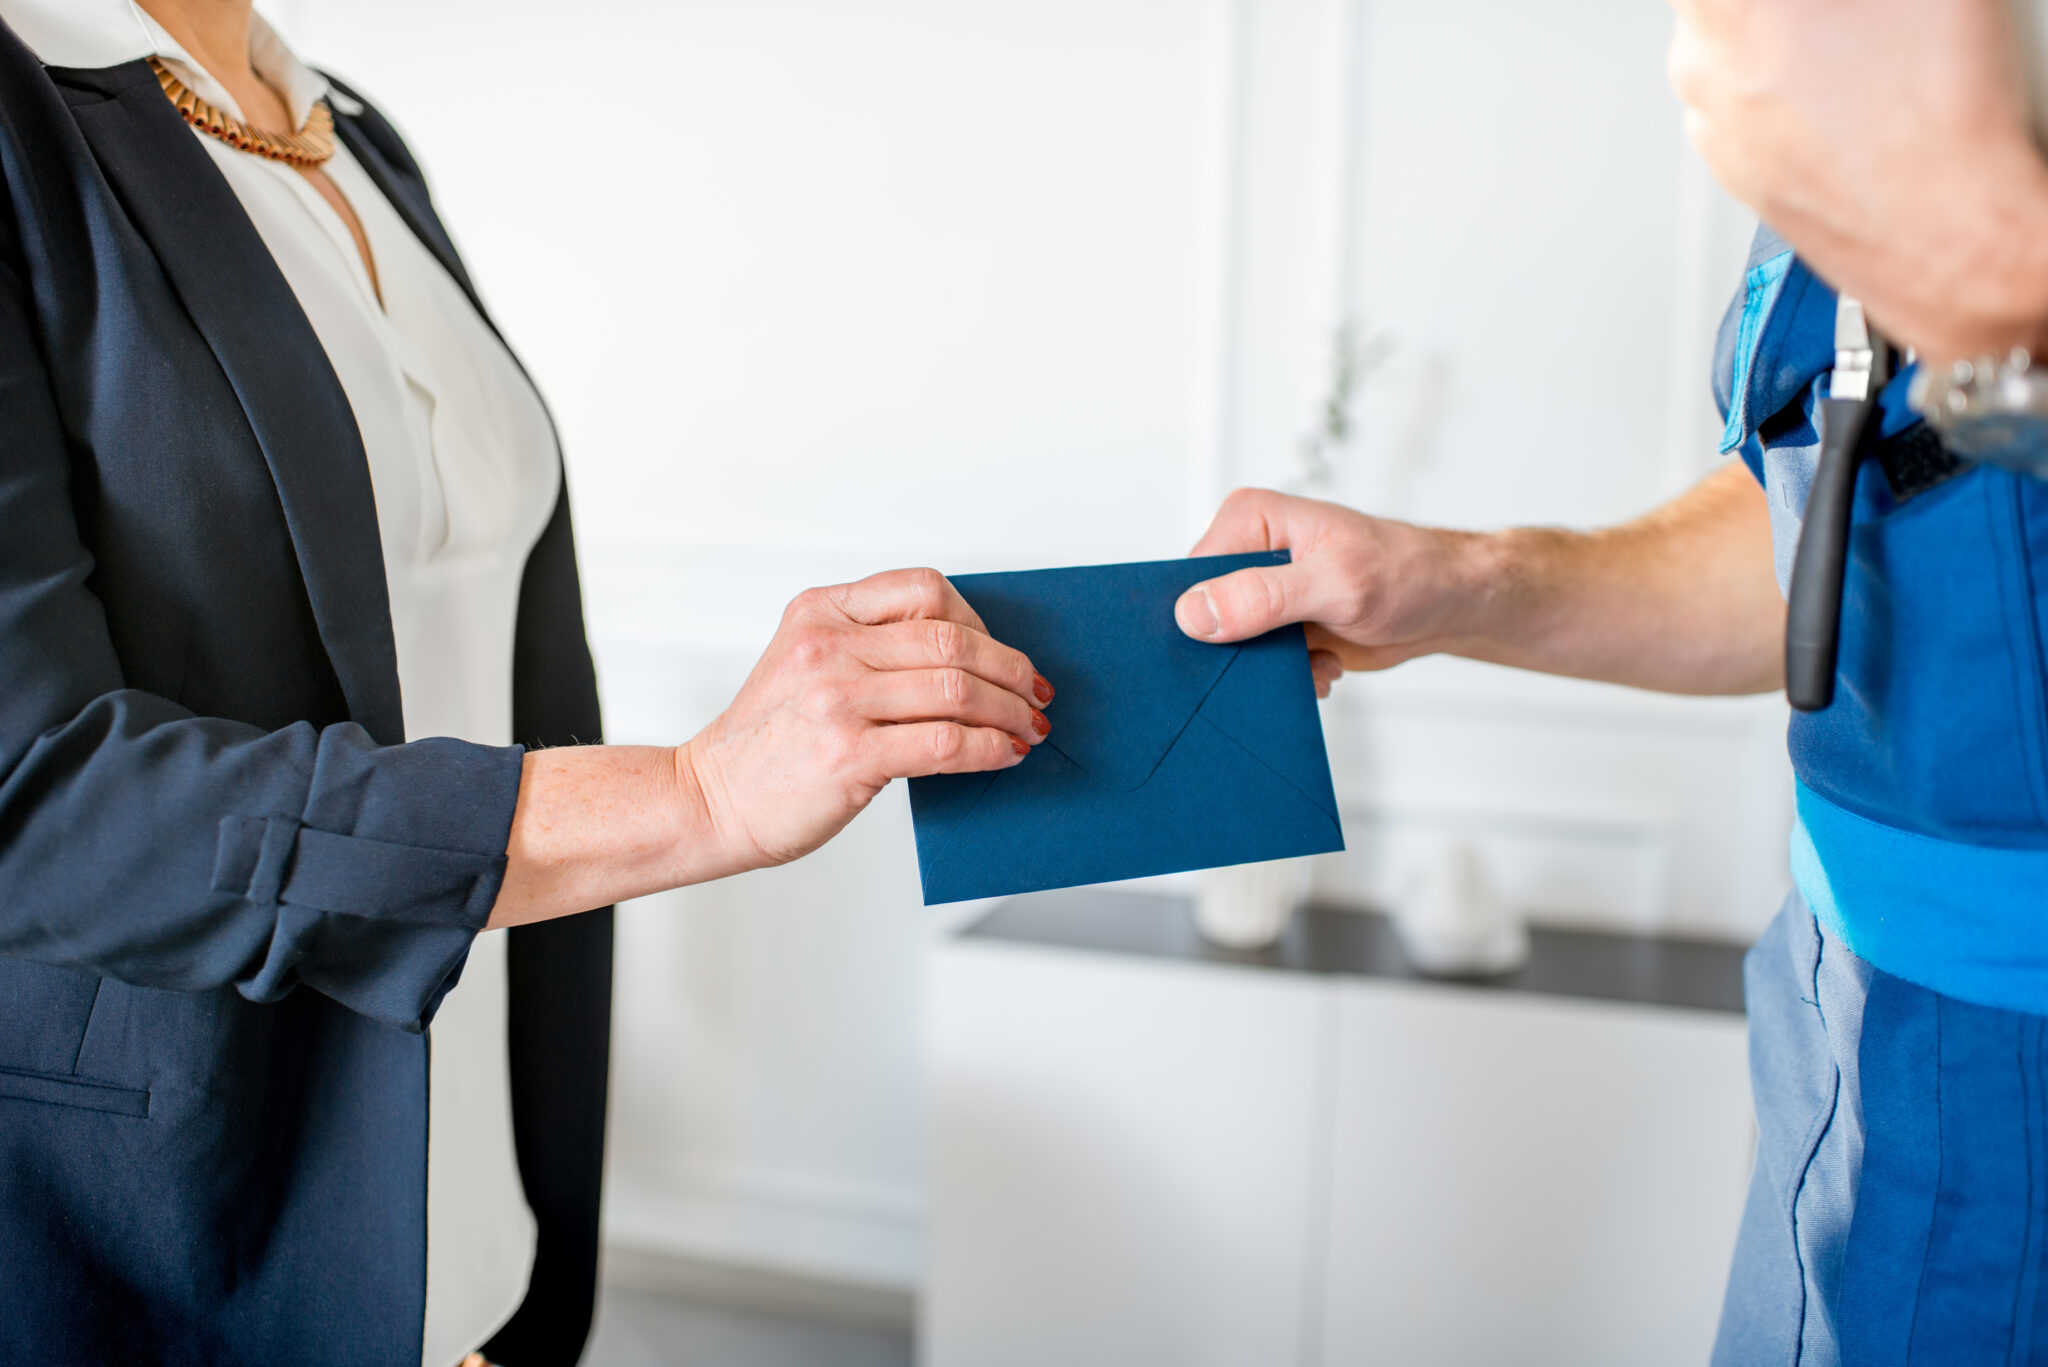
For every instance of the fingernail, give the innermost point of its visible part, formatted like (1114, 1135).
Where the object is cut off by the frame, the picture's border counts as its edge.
(1020, 747)
(1196, 613)
(1039, 723)
(1041, 689)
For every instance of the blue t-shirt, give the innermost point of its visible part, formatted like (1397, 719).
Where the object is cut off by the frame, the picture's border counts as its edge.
(1922, 839)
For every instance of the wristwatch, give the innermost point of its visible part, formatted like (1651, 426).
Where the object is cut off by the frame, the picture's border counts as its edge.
(1993, 410)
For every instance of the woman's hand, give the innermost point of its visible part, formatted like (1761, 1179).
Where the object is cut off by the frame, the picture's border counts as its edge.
(1889, 142)
(1374, 592)
(892, 677)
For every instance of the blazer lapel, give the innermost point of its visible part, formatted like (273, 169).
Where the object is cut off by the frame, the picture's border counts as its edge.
(246, 311)
(378, 150)
(405, 190)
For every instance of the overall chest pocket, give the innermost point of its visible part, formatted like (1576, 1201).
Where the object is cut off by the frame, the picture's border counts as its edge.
(1938, 721)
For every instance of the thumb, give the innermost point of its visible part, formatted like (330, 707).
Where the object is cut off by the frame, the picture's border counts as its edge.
(1248, 603)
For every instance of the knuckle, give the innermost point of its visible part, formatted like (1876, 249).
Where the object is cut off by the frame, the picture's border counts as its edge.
(1687, 82)
(840, 750)
(1245, 599)
(1023, 674)
(811, 649)
(1348, 586)
(946, 743)
(826, 699)
(1271, 597)
(1356, 600)
(952, 685)
(948, 640)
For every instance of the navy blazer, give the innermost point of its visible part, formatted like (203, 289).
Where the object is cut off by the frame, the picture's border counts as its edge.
(230, 896)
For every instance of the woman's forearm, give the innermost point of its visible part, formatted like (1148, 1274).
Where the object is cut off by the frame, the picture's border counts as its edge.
(865, 683)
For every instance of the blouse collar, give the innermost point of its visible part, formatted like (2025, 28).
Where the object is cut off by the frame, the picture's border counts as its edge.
(100, 33)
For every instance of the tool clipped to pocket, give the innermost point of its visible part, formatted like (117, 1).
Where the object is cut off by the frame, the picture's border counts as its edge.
(1813, 615)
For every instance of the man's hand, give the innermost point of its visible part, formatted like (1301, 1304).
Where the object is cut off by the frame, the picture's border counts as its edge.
(1374, 592)
(1889, 142)
(1682, 599)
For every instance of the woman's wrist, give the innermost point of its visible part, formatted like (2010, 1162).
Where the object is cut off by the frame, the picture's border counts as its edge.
(597, 824)
(709, 841)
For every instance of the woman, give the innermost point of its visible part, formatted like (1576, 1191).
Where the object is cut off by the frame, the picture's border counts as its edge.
(294, 719)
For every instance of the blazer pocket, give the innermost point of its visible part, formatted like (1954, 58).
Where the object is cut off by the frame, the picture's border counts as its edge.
(44, 1012)
(57, 1089)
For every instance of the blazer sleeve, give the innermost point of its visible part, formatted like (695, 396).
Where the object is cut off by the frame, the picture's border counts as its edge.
(145, 843)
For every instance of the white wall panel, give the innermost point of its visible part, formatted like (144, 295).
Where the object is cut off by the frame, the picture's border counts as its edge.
(918, 278)
(1522, 172)
(822, 286)
(1594, 805)
(817, 289)
(1502, 195)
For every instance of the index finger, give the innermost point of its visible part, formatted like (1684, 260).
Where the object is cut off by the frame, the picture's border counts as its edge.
(1249, 520)
(905, 596)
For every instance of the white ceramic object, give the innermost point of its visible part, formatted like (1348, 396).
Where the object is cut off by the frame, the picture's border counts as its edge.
(1454, 921)
(1248, 906)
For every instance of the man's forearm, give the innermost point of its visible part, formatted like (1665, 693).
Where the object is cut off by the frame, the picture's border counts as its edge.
(1683, 600)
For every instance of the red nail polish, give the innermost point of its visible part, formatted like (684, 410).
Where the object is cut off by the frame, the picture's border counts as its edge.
(1020, 747)
(1039, 723)
(1041, 689)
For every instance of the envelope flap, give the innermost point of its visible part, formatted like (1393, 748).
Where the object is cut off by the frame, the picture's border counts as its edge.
(1266, 706)
(1129, 681)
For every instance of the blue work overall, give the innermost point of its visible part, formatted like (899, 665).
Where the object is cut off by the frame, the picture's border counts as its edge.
(1898, 1003)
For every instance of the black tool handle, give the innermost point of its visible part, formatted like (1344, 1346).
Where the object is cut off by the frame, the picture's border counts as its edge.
(1813, 615)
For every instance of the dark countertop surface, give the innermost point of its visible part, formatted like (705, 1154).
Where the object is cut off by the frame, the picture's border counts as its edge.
(1657, 970)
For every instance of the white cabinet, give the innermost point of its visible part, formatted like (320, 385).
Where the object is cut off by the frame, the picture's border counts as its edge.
(1531, 1180)
(1145, 1155)
(1121, 1163)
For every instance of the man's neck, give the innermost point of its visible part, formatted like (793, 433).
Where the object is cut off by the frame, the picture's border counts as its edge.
(215, 32)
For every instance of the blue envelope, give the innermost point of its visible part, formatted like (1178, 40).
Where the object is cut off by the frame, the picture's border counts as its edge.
(1166, 753)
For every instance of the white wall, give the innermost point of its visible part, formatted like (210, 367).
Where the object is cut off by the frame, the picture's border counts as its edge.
(819, 287)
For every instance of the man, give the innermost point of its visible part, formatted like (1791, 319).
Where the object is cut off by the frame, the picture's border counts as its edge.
(1899, 1002)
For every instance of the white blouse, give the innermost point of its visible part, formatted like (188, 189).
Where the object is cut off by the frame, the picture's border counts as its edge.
(465, 470)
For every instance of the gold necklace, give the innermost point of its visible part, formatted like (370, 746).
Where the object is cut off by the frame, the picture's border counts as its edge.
(310, 146)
